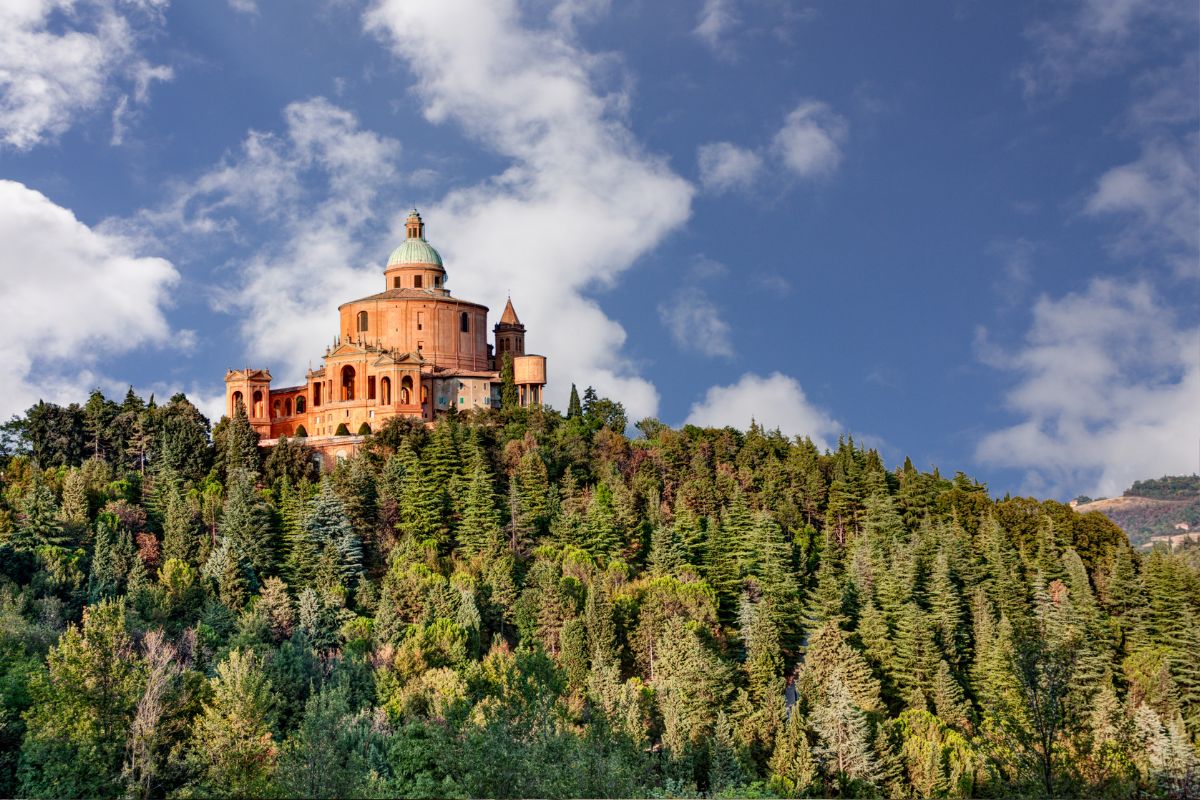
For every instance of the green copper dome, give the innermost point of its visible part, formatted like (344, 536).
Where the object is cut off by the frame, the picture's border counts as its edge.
(414, 251)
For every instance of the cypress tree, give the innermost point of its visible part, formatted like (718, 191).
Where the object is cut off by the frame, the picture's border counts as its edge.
(509, 399)
(574, 409)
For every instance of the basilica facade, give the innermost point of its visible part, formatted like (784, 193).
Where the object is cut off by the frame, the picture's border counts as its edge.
(412, 350)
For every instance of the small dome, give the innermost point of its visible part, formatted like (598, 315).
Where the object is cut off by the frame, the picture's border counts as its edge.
(414, 251)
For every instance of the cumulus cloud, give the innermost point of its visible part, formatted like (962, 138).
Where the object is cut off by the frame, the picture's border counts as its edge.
(725, 166)
(1106, 384)
(695, 323)
(69, 295)
(810, 142)
(318, 183)
(60, 59)
(776, 401)
(1157, 194)
(579, 200)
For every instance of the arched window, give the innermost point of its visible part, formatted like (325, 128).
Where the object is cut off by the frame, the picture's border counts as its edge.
(406, 390)
(464, 322)
(278, 408)
(347, 382)
(316, 395)
(237, 401)
(258, 404)
(300, 404)
(287, 407)
(362, 321)
(416, 281)
(385, 391)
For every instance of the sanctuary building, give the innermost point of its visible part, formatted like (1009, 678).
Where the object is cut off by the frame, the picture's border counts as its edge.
(411, 350)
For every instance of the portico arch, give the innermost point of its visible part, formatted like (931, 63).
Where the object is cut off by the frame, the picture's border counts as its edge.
(348, 376)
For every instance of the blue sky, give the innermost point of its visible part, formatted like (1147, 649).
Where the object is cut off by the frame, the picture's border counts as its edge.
(964, 232)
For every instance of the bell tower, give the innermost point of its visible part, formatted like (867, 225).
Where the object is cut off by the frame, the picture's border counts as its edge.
(510, 333)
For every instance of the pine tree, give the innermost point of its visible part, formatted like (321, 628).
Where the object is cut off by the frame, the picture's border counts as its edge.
(664, 557)
(600, 532)
(479, 527)
(916, 657)
(81, 708)
(725, 771)
(240, 446)
(246, 526)
(599, 625)
(328, 526)
(39, 524)
(232, 749)
(764, 660)
(182, 529)
(75, 507)
(792, 769)
(844, 741)
(419, 501)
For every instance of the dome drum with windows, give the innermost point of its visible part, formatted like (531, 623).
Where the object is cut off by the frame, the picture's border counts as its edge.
(411, 350)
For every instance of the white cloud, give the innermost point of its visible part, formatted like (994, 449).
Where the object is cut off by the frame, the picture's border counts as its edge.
(61, 58)
(318, 184)
(776, 401)
(579, 202)
(725, 166)
(1158, 193)
(244, 6)
(695, 323)
(1091, 38)
(1107, 382)
(69, 295)
(810, 142)
(715, 23)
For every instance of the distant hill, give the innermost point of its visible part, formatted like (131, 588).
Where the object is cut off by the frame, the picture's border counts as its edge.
(1152, 510)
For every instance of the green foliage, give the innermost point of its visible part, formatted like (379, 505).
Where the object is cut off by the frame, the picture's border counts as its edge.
(462, 610)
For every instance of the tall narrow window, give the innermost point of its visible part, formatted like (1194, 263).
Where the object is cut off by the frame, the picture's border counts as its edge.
(370, 387)
(300, 404)
(395, 283)
(416, 281)
(362, 321)
(464, 322)
(420, 320)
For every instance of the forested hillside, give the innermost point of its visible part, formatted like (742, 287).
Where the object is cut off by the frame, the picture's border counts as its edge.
(520, 603)
(1152, 507)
